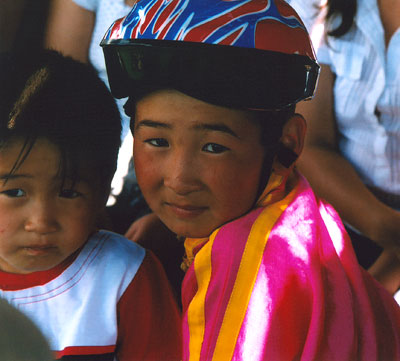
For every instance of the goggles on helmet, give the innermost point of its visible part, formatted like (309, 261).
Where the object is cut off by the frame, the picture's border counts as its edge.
(249, 54)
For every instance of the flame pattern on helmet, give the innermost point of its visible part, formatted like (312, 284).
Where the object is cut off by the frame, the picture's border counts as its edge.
(223, 22)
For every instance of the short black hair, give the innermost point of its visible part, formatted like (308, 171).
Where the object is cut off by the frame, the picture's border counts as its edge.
(45, 94)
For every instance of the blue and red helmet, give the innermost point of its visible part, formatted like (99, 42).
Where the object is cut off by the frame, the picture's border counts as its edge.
(248, 54)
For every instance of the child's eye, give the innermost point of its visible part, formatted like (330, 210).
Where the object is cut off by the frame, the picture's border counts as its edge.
(214, 148)
(14, 193)
(158, 142)
(69, 193)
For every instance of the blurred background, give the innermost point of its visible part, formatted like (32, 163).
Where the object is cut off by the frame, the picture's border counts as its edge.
(22, 23)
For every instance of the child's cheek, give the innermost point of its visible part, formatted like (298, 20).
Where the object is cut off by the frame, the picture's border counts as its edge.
(147, 168)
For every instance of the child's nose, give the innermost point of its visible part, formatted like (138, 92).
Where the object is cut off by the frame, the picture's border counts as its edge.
(181, 174)
(42, 218)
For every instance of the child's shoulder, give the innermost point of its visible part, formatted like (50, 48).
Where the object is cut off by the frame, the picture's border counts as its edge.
(116, 249)
(118, 242)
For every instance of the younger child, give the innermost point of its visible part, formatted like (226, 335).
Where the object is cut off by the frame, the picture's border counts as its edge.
(271, 272)
(94, 294)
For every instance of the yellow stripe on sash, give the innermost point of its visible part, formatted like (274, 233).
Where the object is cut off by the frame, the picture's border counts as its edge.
(196, 311)
(246, 278)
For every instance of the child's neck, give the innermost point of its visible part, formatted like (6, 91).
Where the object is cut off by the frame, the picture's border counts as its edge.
(14, 281)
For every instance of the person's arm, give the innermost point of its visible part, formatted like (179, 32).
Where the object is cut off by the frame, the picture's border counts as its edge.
(386, 270)
(69, 29)
(334, 178)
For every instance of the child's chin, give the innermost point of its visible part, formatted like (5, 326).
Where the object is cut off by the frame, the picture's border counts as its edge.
(190, 233)
(189, 229)
(28, 269)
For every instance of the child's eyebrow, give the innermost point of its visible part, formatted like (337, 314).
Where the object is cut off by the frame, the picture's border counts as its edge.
(153, 124)
(203, 126)
(217, 127)
(9, 176)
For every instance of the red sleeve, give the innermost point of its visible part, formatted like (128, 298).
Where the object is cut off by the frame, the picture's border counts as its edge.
(149, 321)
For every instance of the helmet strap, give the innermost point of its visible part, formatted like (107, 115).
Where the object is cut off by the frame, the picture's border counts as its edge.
(285, 155)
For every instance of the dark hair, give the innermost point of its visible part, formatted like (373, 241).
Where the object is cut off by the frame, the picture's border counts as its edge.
(45, 94)
(346, 10)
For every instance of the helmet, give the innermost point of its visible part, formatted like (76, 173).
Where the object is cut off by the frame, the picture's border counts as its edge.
(247, 54)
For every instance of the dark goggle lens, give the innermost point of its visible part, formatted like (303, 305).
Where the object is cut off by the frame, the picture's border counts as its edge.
(227, 76)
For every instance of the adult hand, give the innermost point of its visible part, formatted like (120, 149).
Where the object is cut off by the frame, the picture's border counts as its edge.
(386, 269)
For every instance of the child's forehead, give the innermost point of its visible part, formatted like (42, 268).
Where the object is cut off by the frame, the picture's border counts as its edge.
(20, 143)
(18, 155)
(172, 106)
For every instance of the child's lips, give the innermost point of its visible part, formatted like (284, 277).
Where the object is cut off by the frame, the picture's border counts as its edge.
(37, 250)
(185, 210)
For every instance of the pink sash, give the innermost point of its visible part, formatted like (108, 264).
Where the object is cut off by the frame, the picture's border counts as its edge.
(282, 283)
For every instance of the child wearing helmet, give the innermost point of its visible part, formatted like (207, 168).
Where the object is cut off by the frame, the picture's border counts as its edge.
(270, 272)
(95, 295)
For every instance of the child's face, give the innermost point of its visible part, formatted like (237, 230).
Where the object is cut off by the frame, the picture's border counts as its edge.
(40, 223)
(198, 165)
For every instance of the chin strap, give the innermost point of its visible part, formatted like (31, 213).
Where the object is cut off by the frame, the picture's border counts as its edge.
(285, 155)
(276, 185)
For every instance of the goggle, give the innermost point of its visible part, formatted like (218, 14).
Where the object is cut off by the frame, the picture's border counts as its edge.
(223, 75)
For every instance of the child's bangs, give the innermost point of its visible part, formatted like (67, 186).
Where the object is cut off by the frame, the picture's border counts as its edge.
(27, 145)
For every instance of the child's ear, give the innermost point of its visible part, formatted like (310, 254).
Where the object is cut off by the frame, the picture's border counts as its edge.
(292, 141)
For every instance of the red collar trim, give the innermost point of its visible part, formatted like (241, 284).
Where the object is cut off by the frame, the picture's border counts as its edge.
(14, 281)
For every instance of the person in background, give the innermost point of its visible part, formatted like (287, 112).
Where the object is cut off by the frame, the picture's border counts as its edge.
(22, 24)
(270, 271)
(94, 294)
(352, 149)
(10, 18)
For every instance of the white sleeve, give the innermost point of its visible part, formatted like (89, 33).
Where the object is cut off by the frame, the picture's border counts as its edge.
(323, 54)
(91, 5)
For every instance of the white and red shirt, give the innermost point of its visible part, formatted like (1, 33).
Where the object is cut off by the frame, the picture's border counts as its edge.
(112, 299)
